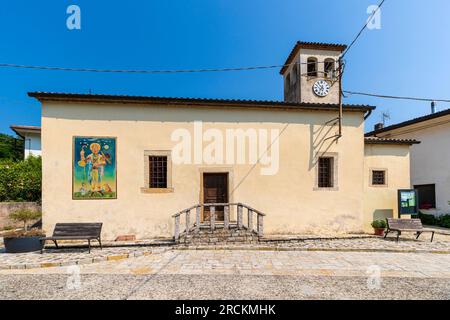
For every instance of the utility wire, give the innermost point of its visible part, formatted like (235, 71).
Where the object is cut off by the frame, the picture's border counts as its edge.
(394, 97)
(362, 29)
(21, 66)
(9, 65)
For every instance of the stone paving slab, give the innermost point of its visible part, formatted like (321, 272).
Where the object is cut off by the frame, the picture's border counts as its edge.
(270, 263)
(364, 243)
(214, 274)
(73, 256)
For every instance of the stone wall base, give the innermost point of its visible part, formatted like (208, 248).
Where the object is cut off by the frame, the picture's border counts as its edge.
(7, 207)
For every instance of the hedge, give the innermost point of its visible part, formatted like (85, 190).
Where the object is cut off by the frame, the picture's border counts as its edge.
(442, 221)
(21, 181)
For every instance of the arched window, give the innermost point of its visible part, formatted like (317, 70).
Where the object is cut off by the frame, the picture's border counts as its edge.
(288, 80)
(294, 74)
(312, 67)
(329, 68)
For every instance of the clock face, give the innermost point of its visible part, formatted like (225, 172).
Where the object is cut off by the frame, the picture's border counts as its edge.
(321, 88)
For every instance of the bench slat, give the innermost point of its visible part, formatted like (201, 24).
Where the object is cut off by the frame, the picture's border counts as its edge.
(77, 230)
(69, 238)
(405, 224)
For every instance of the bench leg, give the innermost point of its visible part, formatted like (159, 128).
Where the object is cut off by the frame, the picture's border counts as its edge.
(89, 243)
(418, 235)
(398, 235)
(386, 233)
(432, 236)
(42, 246)
(100, 241)
(56, 244)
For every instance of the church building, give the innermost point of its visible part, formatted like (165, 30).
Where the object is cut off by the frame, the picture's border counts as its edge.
(157, 167)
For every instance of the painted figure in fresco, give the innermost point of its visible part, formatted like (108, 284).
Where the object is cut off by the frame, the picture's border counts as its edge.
(94, 165)
(83, 190)
(107, 188)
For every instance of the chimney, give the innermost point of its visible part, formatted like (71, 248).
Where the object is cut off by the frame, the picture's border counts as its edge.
(378, 126)
(433, 107)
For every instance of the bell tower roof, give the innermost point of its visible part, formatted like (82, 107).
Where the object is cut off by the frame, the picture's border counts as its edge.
(311, 73)
(311, 45)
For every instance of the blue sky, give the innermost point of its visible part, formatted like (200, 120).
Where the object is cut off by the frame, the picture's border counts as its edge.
(408, 56)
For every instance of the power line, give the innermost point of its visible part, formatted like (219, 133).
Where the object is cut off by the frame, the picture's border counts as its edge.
(250, 68)
(362, 29)
(19, 66)
(395, 97)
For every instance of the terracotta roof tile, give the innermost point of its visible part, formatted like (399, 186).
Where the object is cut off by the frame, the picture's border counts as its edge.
(409, 122)
(311, 45)
(55, 96)
(375, 140)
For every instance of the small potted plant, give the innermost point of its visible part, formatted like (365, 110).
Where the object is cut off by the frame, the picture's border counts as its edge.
(379, 226)
(24, 240)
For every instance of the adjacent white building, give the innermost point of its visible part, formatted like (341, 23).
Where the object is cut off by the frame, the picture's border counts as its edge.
(430, 160)
(32, 139)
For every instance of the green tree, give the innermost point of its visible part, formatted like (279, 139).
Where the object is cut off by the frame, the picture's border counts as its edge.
(25, 216)
(21, 181)
(10, 147)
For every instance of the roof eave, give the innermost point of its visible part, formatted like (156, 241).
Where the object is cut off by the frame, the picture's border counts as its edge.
(20, 130)
(392, 142)
(16, 132)
(310, 45)
(409, 123)
(252, 104)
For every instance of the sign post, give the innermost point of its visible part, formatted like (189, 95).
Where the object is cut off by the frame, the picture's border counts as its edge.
(408, 202)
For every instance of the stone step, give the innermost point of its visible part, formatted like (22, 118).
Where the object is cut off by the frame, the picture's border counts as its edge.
(219, 236)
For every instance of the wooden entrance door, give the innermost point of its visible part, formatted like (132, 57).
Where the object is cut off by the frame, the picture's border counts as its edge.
(215, 190)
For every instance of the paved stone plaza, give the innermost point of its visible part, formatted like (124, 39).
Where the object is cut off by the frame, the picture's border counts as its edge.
(79, 256)
(240, 274)
(74, 256)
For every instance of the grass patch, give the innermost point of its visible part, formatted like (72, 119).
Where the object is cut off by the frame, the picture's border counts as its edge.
(94, 195)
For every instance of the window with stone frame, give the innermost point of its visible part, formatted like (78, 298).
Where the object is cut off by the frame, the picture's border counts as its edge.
(294, 73)
(325, 172)
(379, 177)
(312, 67)
(158, 172)
(329, 68)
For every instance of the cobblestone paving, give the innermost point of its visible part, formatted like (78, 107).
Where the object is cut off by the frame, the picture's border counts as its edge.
(65, 257)
(407, 243)
(238, 287)
(243, 262)
(241, 274)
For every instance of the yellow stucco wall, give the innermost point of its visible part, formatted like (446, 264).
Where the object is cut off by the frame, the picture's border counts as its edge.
(380, 202)
(288, 198)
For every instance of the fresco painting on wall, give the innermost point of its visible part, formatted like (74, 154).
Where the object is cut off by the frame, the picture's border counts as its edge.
(94, 168)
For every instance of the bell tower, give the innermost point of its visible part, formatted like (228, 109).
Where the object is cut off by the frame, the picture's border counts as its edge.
(311, 73)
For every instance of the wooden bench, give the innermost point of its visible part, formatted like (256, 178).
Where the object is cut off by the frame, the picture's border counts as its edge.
(406, 225)
(75, 231)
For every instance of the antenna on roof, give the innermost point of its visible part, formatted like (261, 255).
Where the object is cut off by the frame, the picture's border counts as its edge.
(433, 107)
(384, 117)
